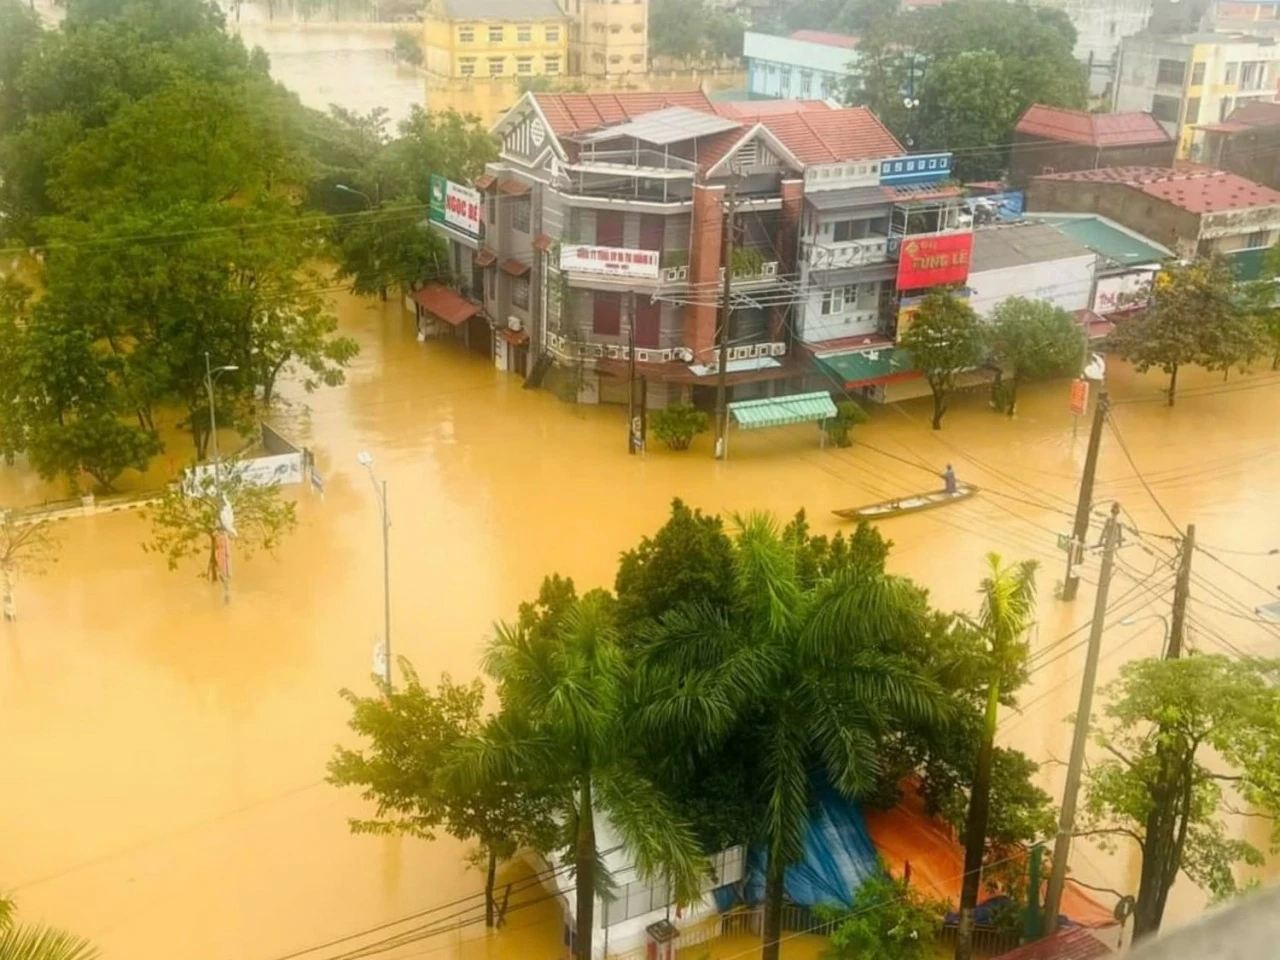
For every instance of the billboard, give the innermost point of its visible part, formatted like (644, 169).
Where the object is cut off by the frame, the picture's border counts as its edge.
(1128, 291)
(280, 470)
(920, 168)
(934, 260)
(456, 206)
(610, 261)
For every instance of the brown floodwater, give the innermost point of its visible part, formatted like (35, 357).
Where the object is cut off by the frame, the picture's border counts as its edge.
(165, 754)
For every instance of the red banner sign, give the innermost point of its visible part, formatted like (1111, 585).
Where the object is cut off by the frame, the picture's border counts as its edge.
(1079, 397)
(934, 260)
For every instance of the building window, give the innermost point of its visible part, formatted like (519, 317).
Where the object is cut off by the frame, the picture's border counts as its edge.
(615, 28)
(495, 66)
(467, 67)
(846, 230)
(524, 66)
(637, 58)
(1171, 71)
(1233, 74)
(520, 209)
(1193, 110)
(491, 203)
(637, 27)
(553, 34)
(551, 65)
(806, 84)
(1166, 109)
(1197, 74)
(495, 34)
(1256, 239)
(524, 34)
(833, 302)
(606, 314)
(493, 284)
(1253, 75)
(466, 34)
(615, 58)
(784, 84)
(520, 292)
(827, 86)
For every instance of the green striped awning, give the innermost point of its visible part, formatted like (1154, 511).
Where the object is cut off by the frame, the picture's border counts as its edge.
(779, 411)
(862, 368)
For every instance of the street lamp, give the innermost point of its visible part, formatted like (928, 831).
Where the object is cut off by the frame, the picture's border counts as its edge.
(1130, 621)
(359, 193)
(225, 525)
(380, 491)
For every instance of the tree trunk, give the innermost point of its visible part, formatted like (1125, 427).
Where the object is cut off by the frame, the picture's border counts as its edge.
(585, 857)
(771, 932)
(1012, 406)
(975, 830)
(1161, 850)
(939, 407)
(8, 609)
(996, 384)
(1173, 386)
(488, 888)
(214, 573)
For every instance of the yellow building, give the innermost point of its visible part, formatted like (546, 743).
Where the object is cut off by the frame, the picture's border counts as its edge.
(608, 37)
(495, 38)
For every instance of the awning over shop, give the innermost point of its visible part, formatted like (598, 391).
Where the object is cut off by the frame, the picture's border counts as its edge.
(486, 258)
(543, 242)
(445, 304)
(780, 411)
(866, 367)
(485, 181)
(514, 268)
(513, 188)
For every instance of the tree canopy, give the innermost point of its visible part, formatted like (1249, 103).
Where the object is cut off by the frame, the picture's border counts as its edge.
(945, 339)
(1032, 340)
(688, 30)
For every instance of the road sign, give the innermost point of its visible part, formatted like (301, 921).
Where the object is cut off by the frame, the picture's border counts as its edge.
(1079, 397)
(317, 481)
(1064, 542)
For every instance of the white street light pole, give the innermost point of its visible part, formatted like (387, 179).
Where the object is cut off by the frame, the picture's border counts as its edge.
(210, 375)
(380, 492)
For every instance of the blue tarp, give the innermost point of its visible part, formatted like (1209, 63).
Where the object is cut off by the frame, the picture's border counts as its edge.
(838, 857)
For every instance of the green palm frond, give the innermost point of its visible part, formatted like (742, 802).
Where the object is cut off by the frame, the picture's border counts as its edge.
(1008, 603)
(787, 788)
(524, 666)
(858, 612)
(26, 942)
(768, 589)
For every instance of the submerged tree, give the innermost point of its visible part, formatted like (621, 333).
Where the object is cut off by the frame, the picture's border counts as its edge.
(945, 339)
(413, 733)
(1032, 340)
(1180, 734)
(25, 548)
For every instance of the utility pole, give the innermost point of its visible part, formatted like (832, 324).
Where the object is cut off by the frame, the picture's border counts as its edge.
(225, 525)
(1181, 593)
(1075, 549)
(1080, 737)
(726, 261)
(631, 376)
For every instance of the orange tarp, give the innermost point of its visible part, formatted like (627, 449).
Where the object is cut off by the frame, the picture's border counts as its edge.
(907, 834)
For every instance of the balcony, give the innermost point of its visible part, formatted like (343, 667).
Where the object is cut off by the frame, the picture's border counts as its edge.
(639, 160)
(849, 253)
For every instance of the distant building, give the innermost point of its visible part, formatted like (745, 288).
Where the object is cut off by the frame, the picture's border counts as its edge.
(1196, 213)
(1032, 260)
(607, 38)
(495, 38)
(1127, 261)
(1193, 79)
(1053, 140)
(1247, 142)
(1100, 26)
(808, 64)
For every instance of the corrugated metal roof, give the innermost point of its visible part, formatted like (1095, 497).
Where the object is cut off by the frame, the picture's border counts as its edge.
(860, 368)
(852, 197)
(1108, 239)
(825, 38)
(1075, 943)
(669, 125)
(580, 112)
(1020, 244)
(503, 10)
(1092, 129)
(779, 411)
(1198, 190)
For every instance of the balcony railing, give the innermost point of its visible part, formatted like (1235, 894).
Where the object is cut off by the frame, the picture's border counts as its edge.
(644, 157)
(848, 253)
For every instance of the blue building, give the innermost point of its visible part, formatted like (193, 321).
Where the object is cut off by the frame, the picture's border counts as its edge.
(808, 65)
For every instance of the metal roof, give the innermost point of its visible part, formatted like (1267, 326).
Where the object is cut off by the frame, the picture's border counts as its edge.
(780, 411)
(851, 197)
(1108, 238)
(859, 368)
(670, 125)
(1020, 244)
(515, 10)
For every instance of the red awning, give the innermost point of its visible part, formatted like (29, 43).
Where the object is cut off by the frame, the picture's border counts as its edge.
(486, 258)
(514, 268)
(513, 188)
(445, 304)
(516, 338)
(1074, 943)
(486, 181)
(543, 242)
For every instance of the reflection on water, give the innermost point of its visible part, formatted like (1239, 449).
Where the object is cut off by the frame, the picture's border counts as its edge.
(166, 753)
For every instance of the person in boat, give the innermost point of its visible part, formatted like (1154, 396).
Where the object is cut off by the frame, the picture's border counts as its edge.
(949, 479)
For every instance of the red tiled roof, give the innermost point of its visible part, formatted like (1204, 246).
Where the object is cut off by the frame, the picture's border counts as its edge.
(753, 110)
(1257, 113)
(1073, 943)
(1229, 126)
(834, 136)
(1091, 129)
(543, 242)
(485, 181)
(513, 188)
(580, 112)
(826, 39)
(1196, 191)
(445, 304)
(514, 268)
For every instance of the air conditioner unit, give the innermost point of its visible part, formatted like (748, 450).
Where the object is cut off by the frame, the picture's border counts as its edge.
(665, 356)
(643, 356)
(739, 353)
(778, 349)
(770, 269)
(515, 323)
(613, 351)
(685, 354)
(596, 350)
(762, 349)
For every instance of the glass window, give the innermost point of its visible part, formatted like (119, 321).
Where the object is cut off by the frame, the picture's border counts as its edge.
(520, 292)
(833, 302)
(495, 66)
(1256, 239)
(524, 65)
(466, 35)
(615, 58)
(1171, 71)
(520, 209)
(551, 65)
(524, 34)
(1253, 75)
(467, 66)
(495, 34)
(1233, 73)
(1197, 74)
(1166, 108)
(843, 231)
(806, 83)
(553, 34)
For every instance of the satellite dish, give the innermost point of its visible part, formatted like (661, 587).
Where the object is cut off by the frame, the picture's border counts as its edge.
(1096, 368)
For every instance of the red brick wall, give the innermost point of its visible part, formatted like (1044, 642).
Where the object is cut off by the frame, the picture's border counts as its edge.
(704, 270)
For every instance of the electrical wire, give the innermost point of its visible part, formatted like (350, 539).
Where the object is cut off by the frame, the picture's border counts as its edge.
(1115, 429)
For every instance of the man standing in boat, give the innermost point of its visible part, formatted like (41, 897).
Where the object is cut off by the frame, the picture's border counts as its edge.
(949, 478)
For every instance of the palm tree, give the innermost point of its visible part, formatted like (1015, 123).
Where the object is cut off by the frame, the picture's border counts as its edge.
(1008, 604)
(813, 677)
(561, 678)
(36, 942)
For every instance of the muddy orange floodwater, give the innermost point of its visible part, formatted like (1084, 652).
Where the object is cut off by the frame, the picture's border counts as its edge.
(164, 754)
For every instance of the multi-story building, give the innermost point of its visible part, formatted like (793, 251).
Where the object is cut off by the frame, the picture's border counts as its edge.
(1193, 79)
(607, 37)
(1247, 142)
(603, 230)
(1194, 213)
(807, 64)
(1100, 26)
(1053, 140)
(480, 39)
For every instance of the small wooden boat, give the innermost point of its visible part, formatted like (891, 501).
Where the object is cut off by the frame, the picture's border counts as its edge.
(913, 503)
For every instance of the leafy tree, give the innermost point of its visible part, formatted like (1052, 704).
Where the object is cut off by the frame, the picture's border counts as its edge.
(96, 442)
(692, 29)
(390, 247)
(1008, 605)
(889, 920)
(562, 682)
(1032, 340)
(678, 423)
(1261, 302)
(848, 415)
(809, 679)
(1195, 317)
(25, 942)
(1172, 730)
(407, 48)
(412, 733)
(187, 522)
(962, 99)
(15, 300)
(448, 143)
(945, 339)
(25, 548)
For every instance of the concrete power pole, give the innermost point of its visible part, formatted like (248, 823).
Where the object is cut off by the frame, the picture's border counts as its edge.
(1080, 530)
(726, 310)
(1080, 738)
(1181, 593)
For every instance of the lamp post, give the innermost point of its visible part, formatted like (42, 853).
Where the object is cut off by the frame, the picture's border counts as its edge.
(211, 374)
(359, 193)
(380, 492)
(1131, 621)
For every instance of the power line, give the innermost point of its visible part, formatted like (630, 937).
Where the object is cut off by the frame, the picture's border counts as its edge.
(1115, 429)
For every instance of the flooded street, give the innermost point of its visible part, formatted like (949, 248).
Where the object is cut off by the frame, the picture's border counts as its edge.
(166, 753)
